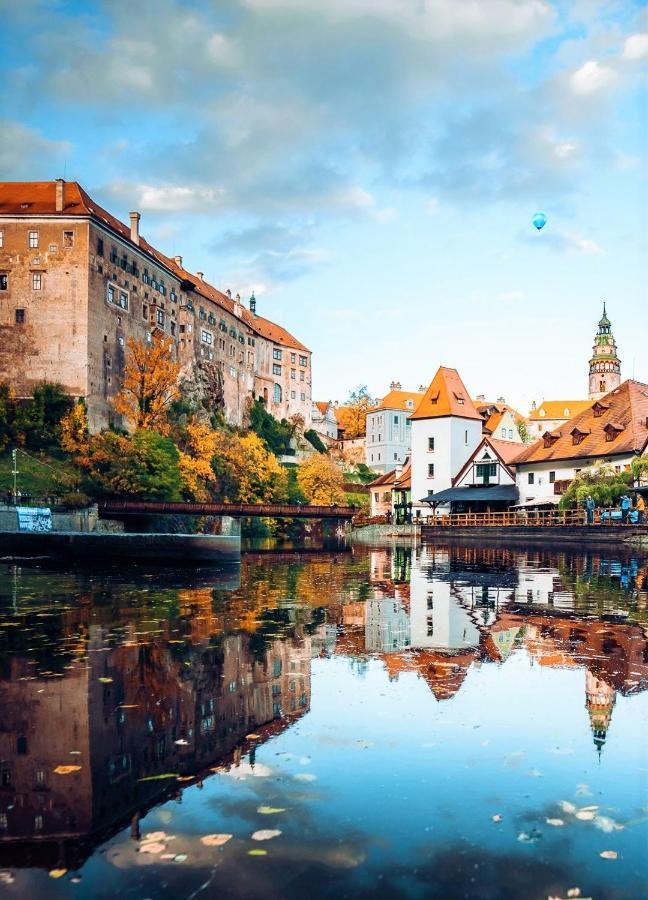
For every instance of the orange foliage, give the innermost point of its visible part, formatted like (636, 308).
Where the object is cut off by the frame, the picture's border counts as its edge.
(321, 481)
(150, 384)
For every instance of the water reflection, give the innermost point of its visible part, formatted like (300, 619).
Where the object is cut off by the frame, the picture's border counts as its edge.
(121, 692)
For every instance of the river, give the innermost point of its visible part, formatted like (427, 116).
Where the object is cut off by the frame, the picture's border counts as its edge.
(447, 722)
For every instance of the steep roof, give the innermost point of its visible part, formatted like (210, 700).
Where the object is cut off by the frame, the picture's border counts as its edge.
(38, 198)
(493, 413)
(558, 409)
(385, 479)
(405, 400)
(404, 480)
(623, 413)
(446, 396)
(322, 405)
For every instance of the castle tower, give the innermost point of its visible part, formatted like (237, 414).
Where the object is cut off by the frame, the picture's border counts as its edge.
(599, 701)
(605, 365)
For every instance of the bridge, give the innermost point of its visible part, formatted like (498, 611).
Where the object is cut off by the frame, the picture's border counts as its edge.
(116, 509)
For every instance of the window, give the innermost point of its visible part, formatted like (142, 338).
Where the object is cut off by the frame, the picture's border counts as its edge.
(303, 396)
(552, 477)
(110, 294)
(430, 470)
(466, 438)
(486, 470)
(144, 311)
(293, 395)
(293, 374)
(301, 376)
(396, 456)
(21, 745)
(123, 299)
(293, 357)
(276, 369)
(276, 353)
(33, 240)
(277, 393)
(160, 317)
(68, 239)
(431, 443)
(100, 249)
(1, 238)
(395, 420)
(206, 337)
(20, 317)
(37, 281)
(4, 281)
(303, 360)
(504, 433)
(531, 478)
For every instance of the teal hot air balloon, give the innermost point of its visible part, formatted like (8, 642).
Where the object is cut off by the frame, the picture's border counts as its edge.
(539, 220)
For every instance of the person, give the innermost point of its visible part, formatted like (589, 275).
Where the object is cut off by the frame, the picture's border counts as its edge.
(641, 509)
(590, 506)
(625, 509)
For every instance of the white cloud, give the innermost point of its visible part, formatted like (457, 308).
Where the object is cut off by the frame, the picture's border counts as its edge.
(24, 152)
(592, 77)
(581, 244)
(636, 46)
(565, 149)
(168, 198)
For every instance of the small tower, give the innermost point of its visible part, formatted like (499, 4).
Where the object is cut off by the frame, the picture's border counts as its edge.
(599, 701)
(605, 365)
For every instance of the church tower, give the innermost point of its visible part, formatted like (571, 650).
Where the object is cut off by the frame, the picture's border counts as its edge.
(599, 700)
(605, 365)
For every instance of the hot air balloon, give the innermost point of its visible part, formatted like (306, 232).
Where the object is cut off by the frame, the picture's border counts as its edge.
(539, 220)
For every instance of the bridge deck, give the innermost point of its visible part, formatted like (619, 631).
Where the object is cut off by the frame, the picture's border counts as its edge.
(119, 508)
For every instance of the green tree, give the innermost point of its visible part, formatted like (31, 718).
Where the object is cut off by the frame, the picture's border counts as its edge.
(144, 465)
(275, 435)
(602, 483)
(38, 420)
(523, 431)
(315, 440)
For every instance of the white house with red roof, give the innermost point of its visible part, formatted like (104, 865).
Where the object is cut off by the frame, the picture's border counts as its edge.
(389, 428)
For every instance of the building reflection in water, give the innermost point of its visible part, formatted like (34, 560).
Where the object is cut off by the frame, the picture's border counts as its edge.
(140, 710)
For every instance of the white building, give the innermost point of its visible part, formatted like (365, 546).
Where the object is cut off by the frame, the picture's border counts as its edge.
(389, 428)
(446, 429)
(614, 430)
(324, 420)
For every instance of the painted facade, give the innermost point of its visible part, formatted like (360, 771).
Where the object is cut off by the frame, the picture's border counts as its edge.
(388, 433)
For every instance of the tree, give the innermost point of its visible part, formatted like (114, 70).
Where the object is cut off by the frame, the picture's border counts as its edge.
(199, 446)
(353, 415)
(523, 431)
(315, 440)
(74, 428)
(144, 465)
(276, 435)
(150, 384)
(39, 419)
(321, 481)
(246, 470)
(602, 483)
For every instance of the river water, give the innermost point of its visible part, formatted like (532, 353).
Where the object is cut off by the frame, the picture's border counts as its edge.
(442, 722)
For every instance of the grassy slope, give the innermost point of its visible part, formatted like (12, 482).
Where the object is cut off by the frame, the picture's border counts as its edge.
(34, 477)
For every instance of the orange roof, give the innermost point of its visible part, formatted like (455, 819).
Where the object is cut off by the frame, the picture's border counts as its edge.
(405, 400)
(38, 198)
(558, 409)
(323, 406)
(404, 481)
(492, 413)
(625, 407)
(446, 396)
(506, 450)
(386, 478)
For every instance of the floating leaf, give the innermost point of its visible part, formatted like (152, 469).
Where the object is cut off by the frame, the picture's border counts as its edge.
(608, 854)
(154, 836)
(567, 807)
(270, 810)
(257, 852)
(159, 777)
(105, 680)
(585, 815)
(305, 776)
(252, 737)
(66, 770)
(152, 847)
(266, 834)
(57, 873)
(215, 840)
(496, 818)
(555, 822)
(180, 858)
(607, 824)
(574, 892)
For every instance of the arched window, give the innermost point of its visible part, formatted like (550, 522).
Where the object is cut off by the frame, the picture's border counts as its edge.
(602, 385)
(277, 393)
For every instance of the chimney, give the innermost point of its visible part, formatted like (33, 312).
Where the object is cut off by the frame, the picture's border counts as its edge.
(501, 400)
(395, 386)
(229, 292)
(533, 405)
(200, 275)
(135, 220)
(422, 388)
(60, 194)
(238, 308)
(253, 304)
(178, 261)
(480, 398)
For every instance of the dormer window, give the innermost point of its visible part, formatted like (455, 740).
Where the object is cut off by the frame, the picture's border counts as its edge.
(434, 397)
(550, 439)
(612, 431)
(578, 436)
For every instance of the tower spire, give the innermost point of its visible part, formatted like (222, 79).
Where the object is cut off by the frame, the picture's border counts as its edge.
(605, 365)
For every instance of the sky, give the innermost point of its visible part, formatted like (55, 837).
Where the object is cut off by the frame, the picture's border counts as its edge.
(370, 168)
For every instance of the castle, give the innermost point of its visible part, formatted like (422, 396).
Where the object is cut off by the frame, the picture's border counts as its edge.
(605, 365)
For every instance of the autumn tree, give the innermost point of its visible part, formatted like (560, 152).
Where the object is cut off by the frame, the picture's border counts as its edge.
(150, 384)
(247, 471)
(74, 428)
(321, 482)
(199, 446)
(353, 415)
(144, 465)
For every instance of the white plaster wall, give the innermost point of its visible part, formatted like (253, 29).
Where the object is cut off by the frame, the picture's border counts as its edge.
(565, 470)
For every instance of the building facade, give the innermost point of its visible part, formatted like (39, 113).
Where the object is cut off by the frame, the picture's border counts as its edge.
(324, 420)
(389, 439)
(76, 285)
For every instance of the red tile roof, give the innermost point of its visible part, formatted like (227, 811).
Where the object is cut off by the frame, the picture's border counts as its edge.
(277, 334)
(405, 400)
(558, 409)
(625, 407)
(446, 396)
(386, 478)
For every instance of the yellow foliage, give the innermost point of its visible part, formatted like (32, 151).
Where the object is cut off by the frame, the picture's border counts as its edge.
(74, 429)
(150, 384)
(321, 481)
(201, 445)
(248, 471)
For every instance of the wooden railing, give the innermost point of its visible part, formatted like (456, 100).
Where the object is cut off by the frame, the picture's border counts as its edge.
(511, 518)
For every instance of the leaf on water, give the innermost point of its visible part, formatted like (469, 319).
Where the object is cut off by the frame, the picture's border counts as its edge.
(154, 836)
(105, 680)
(526, 837)
(66, 770)
(567, 807)
(305, 776)
(6, 877)
(266, 834)
(152, 847)
(57, 873)
(586, 815)
(535, 773)
(252, 737)
(574, 892)
(496, 818)
(582, 790)
(608, 854)
(167, 856)
(159, 777)
(257, 852)
(180, 858)
(555, 822)
(215, 840)
(270, 810)
(607, 824)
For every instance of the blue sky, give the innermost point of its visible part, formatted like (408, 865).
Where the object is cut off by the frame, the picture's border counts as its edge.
(369, 167)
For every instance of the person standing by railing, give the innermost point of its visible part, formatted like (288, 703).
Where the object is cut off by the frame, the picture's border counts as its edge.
(590, 507)
(625, 509)
(640, 506)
